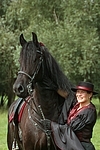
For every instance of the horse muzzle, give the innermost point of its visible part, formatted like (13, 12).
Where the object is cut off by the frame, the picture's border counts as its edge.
(20, 90)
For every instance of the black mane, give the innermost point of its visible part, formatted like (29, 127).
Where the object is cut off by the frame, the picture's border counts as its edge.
(54, 72)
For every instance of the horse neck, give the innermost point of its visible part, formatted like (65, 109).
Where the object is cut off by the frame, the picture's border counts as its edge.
(49, 101)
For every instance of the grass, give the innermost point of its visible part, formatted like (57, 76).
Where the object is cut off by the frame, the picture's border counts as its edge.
(96, 135)
(96, 130)
(3, 130)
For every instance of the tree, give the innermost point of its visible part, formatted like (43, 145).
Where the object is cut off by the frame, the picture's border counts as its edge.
(70, 30)
(7, 63)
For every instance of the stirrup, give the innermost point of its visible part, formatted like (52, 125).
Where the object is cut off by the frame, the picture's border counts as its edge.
(15, 145)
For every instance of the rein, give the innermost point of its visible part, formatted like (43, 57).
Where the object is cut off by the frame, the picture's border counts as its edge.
(36, 123)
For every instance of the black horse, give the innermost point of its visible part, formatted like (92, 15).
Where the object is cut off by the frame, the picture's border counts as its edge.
(42, 80)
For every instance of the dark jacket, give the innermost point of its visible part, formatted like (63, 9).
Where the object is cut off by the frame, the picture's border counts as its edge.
(81, 122)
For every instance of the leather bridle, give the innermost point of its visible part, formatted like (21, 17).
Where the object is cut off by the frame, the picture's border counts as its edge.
(29, 86)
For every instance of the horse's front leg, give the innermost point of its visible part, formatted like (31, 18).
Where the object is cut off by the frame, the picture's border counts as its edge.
(10, 136)
(34, 138)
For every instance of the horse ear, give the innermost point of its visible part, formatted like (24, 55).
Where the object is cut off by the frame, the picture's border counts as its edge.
(22, 40)
(35, 40)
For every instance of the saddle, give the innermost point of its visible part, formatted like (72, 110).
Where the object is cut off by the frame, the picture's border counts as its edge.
(16, 112)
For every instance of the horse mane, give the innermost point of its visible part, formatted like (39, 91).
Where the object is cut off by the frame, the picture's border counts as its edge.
(55, 72)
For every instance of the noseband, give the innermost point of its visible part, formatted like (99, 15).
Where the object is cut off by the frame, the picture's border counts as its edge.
(29, 86)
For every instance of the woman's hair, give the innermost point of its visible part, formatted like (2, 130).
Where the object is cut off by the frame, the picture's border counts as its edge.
(89, 92)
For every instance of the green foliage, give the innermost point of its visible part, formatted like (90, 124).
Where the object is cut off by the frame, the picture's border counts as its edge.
(3, 6)
(69, 29)
(7, 63)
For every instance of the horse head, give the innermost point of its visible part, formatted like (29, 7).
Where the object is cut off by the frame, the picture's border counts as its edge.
(31, 57)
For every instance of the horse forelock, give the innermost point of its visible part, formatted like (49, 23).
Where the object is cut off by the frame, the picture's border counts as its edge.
(28, 56)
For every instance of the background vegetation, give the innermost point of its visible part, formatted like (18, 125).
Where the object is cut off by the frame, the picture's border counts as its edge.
(70, 30)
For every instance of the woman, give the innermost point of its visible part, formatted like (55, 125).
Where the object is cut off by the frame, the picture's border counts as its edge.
(76, 134)
(82, 117)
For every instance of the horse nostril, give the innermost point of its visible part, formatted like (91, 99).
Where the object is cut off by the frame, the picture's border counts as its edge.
(20, 89)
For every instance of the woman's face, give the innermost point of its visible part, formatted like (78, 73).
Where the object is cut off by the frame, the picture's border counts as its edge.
(83, 96)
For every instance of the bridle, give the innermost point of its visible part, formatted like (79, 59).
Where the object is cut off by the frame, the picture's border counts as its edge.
(29, 86)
